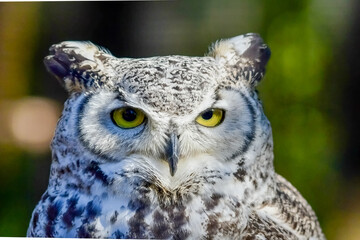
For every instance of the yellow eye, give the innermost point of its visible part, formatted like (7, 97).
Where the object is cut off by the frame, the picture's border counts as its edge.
(127, 117)
(211, 117)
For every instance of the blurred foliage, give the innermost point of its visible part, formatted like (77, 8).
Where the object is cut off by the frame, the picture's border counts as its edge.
(303, 92)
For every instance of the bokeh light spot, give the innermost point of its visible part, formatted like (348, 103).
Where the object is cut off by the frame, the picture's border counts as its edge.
(32, 123)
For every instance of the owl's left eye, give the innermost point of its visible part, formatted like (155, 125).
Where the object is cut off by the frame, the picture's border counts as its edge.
(127, 117)
(211, 117)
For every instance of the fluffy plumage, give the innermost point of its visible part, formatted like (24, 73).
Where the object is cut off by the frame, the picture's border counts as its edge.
(111, 182)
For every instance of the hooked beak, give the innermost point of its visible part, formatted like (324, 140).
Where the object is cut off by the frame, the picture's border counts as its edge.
(172, 153)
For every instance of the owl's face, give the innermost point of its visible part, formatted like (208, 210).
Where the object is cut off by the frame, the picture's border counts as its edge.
(163, 117)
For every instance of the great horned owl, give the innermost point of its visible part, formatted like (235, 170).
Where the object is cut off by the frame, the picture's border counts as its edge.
(170, 147)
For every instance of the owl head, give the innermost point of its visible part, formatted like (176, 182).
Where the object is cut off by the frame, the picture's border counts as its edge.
(161, 118)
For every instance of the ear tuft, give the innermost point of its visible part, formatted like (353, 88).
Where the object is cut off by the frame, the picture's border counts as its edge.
(220, 49)
(244, 56)
(78, 65)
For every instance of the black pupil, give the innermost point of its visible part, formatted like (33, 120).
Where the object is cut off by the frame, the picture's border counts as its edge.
(129, 115)
(207, 115)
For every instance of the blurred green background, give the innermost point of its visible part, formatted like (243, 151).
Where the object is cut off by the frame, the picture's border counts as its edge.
(310, 92)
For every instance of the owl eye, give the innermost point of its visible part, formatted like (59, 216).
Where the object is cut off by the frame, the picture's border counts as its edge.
(211, 117)
(127, 117)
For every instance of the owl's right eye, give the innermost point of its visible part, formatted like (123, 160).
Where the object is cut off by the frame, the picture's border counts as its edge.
(211, 117)
(127, 117)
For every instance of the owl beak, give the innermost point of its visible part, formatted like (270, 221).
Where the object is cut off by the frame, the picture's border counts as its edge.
(172, 153)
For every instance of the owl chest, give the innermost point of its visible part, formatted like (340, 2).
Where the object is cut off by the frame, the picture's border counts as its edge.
(143, 216)
(140, 211)
(139, 215)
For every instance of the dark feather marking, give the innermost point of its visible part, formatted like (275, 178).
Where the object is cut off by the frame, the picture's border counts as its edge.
(212, 227)
(114, 217)
(255, 183)
(286, 202)
(161, 228)
(264, 176)
(73, 186)
(72, 211)
(87, 231)
(44, 197)
(53, 211)
(83, 233)
(54, 157)
(80, 111)
(179, 219)
(213, 201)
(141, 206)
(249, 138)
(120, 96)
(118, 234)
(93, 209)
(250, 135)
(137, 225)
(176, 214)
(35, 220)
(95, 170)
(240, 174)
(267, 228)
(181, 234)
(49, 229)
